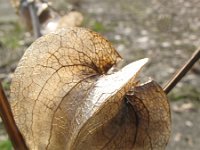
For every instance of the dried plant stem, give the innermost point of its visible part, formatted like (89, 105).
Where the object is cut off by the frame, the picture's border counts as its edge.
(9, 123)
(182, 71)
(34, 19)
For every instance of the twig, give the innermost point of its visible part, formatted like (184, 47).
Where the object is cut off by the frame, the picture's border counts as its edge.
(9, 123)
(34, 19)
(182, 71)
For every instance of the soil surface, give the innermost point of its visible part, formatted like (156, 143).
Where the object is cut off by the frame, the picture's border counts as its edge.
(165, 31)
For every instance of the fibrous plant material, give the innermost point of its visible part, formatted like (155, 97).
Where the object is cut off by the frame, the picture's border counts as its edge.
(63, 98)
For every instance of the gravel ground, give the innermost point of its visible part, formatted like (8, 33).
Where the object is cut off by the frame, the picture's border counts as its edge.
(165, 31)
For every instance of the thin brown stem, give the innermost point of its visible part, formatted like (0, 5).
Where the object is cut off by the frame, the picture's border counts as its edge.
(34, 19)
(9, 123)
(182, 71)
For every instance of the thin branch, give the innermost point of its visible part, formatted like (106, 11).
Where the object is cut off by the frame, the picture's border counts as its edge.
(182, 71)
(9, 123)
(34, 19)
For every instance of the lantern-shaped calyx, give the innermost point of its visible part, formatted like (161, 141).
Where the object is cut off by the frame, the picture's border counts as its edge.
(63, 98)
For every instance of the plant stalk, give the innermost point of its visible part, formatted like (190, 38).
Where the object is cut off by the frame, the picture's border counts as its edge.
(9, 123)
(34, 19)
(182, 71)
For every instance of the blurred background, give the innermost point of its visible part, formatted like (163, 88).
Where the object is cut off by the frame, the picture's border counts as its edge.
(166, 31)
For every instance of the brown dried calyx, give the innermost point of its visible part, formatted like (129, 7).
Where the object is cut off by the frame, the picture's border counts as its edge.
(63, 98)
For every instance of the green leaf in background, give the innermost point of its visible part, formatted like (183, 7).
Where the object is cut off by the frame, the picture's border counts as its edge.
(5, 145)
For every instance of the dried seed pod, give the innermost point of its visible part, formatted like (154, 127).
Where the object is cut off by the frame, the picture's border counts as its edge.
(63, 98)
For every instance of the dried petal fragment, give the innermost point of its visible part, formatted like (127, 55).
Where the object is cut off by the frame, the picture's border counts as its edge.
(153, 120)
(102, 104)
(139, 121)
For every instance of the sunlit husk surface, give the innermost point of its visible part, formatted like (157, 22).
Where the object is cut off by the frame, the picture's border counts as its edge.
(63, 98)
